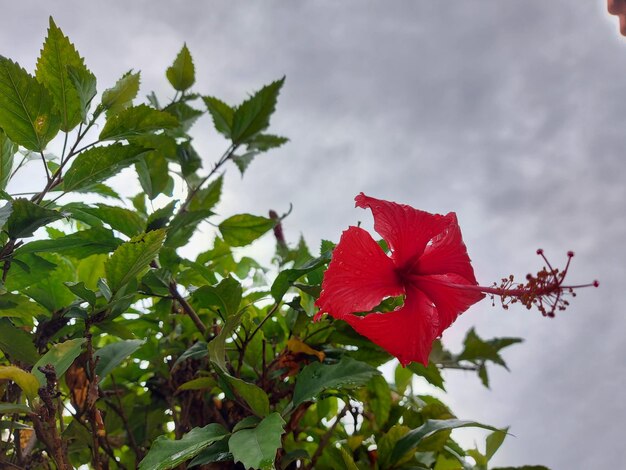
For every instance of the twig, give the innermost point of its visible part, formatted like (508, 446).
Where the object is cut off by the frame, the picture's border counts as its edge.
(173, 288)
(326, 438)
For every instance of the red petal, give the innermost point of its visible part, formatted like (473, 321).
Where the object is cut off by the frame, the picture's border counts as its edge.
(407, 333)
(358, 277)
(447, 254)
(450, 301)
(406, 230)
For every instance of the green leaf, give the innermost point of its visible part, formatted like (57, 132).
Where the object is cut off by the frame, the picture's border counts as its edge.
(28, 269)
(243, 161)
(253, 115)
(112, 355)
(135, 121)
(386, 444)
(221, 113)
(61, 356)
(80, 290)
(216, 452)
(208, 197)
(10, 408)
(133, 258)
(287, 277)
(477, 349)
(379, 401)
(243, 229)
(256, 448)
(265, 142)
(122, 94)
(196, 351)
(165, 453)
(99, 163)
(27, 113)
(7, 151)
(16, 343)
(494, 441)
(413, 438)
(19, 306)
(25, 380)
(402, 378)
(160, 217)
(317, 377)
(85, 84)
(186, 116)
(217, 346)
(182, 72)
(226, 296)
(58, 54)
(81, 244)
(153, 174)
(201, 383)
(254, 396)
(430, 373)
(51, 291)
(118, 218)
(5, 213)
(183, 225)
(27, 217)
(188, 158)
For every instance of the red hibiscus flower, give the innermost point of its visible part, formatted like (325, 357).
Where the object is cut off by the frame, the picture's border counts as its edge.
(428, 265)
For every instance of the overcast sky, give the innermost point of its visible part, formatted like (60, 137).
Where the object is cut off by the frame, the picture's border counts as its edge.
(509, 113)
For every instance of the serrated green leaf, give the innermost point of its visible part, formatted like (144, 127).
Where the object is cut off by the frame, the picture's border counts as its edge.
(27, 113)
(430, 373)
(122, 94)
(494, 441)
(188, 158)
(243, 229)
(16, 343)
(61, 356)
(58, 54)
(221, 113)
(317, 377)
(253, 115)
(208, 197)
(183, 225)
(7, 151)
(243, 161)
(135, 121)
(102, 190)
(90, 269)
(476, 349)
(287, 277)
(265, 142)
(181, 74)
(112, 355)
(226, 296)
(81, 244)
(256, 448)
(118, 218)
(27, 217)
(185, 114)
(160, 217)
(25, 380)
(166, 453)
(81, 291)
(26, 270)
(51, 291)
(98, 164)
(133, 258)
(413, 438)
(153, 174)
(217, 346)
(85, 84)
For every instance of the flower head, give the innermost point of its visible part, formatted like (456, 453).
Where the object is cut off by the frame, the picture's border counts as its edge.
(427, 265)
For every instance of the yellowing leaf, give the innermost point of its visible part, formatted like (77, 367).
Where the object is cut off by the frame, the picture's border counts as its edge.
(25, 380)
(298, 347)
